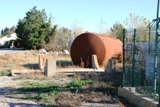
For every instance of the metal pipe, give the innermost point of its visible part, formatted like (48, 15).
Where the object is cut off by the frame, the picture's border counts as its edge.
(133, 61)
(124, 49)
(156, 49)
(157, 25)
(149, 45)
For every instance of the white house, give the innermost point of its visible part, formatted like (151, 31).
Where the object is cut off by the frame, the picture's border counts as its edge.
(7, 39)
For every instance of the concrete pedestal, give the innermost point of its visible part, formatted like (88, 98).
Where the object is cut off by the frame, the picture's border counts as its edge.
(50, 70)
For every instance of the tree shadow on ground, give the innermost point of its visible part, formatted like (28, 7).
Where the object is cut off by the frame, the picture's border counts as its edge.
(23, 105)
(31, 66)
(59, 63)
(64, 63)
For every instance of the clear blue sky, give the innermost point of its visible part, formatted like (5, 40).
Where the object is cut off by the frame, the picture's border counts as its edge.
(86, 13)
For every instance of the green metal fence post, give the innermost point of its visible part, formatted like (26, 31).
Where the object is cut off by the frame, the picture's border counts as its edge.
(149, 47)
(133, 61)
(124, 48)
(155, 58)
(156, 44)
(156, 48)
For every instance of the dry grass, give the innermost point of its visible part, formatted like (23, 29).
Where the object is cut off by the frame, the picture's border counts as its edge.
(14, 61)
(29, 61)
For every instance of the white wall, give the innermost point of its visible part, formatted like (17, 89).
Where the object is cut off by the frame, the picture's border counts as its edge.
(6, 38)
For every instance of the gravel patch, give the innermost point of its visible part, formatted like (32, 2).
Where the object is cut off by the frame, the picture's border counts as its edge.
(12, 101)
(15, 102)
(8, 81)
(13, 51)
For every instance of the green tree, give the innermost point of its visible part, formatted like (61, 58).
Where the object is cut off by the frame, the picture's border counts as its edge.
(12, 29)
(117, 31)
(64, 35)
(6, 31)
(51, 36)
(34, 30)
(139, 23)
(136, 21)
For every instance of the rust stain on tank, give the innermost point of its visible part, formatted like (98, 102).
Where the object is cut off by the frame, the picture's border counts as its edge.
(86, 44)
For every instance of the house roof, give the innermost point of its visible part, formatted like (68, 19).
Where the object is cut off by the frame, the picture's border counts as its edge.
(6, 38)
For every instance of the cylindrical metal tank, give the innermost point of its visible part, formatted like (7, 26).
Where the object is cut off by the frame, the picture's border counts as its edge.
(86, 44)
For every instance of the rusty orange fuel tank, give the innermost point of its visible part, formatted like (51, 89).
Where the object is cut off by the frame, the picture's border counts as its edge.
(86, 44)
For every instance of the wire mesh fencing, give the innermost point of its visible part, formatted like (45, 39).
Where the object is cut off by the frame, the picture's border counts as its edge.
(139, 58)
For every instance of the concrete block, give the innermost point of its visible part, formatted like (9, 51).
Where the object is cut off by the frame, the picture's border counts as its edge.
(15, 72)
(50, 70)
(95, 64)
(111, 66)
(136, 98)
(42, 61)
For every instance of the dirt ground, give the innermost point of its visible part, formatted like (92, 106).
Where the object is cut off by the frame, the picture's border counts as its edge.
(101, 94)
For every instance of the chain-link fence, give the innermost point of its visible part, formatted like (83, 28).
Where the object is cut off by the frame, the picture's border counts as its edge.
(140, 66)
